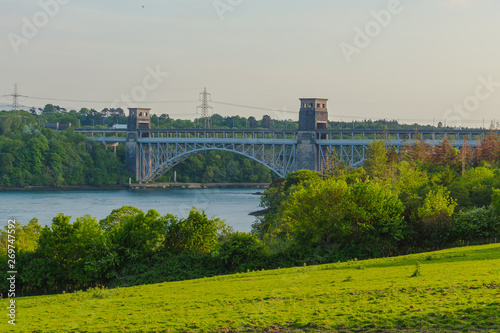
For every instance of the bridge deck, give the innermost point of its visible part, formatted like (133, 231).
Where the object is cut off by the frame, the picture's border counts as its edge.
(324, 137)
(156, 150)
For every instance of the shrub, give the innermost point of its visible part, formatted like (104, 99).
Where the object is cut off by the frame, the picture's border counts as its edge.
(241, 251)
(478, 223)
(196, 233)
(364, 217)
(434, 224)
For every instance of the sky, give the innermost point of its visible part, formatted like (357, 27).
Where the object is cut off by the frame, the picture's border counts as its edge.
(424, 61)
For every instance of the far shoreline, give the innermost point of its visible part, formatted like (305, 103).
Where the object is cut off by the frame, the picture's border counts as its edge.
(134, 187)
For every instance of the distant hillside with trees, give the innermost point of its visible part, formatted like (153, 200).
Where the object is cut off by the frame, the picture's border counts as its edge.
(31, 155)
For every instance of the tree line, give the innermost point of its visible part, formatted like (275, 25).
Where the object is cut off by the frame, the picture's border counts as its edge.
(128, 247)
(108, 117)
(31, 155)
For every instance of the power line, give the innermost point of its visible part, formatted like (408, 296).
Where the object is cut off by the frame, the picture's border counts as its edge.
(103, 102)
(252, 107)
(205, 107)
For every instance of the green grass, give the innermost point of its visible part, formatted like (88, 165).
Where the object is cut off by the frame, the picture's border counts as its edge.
(457, 291)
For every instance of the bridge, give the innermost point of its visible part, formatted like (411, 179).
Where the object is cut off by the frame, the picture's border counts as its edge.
(151, 152)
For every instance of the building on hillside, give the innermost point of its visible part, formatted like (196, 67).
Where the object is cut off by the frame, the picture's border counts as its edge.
(58, 126)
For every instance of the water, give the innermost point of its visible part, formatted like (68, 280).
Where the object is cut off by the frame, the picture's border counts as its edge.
(232, 205)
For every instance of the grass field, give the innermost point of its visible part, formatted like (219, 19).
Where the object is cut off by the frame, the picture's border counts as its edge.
(456, 290)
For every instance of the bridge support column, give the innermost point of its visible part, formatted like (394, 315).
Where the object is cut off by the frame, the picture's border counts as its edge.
(306, 154)
(139, 118)
(132, 154)
(313, 116)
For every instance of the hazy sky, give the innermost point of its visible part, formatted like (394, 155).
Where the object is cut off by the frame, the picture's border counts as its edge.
(406, 60)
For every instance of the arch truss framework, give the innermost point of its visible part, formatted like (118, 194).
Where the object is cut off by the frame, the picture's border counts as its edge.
(350, 155)
(155, 158)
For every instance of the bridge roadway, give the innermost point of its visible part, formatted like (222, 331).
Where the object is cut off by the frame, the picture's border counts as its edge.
(160, 149)
(324, 137)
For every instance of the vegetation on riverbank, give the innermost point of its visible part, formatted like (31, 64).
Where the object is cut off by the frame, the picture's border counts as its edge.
(456, 291)
(31, 155)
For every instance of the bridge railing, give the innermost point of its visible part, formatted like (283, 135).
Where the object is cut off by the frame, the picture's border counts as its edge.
(218, 133)
(102, 133)
(432, 135)
(403, 135)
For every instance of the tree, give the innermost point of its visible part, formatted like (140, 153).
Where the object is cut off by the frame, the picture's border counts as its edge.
(417, 150)
(253, 123)
(496, 201)
(266, 121)
(489, 149)
(363, 218)
(241, 251)
(196, 233)
(376, 159)
(49, 108)
(445, 154)
(139, 235)
(118, 216)
(477, 224)
(435, 218)
(26, 237)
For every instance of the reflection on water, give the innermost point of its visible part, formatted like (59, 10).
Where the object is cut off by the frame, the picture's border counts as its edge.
(232, 205)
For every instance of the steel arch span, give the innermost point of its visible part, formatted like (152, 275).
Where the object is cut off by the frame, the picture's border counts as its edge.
(156, 158)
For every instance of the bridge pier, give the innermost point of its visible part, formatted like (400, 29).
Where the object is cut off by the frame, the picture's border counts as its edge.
(313, 116)
(139, 118)
(131, 154)
(306, 153)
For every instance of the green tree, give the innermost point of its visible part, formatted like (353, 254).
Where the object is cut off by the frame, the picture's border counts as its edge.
(196, 233)
(435, 218)
(477, 224)
(496, 201)
(376, 163)
(241, 251)
(266, 121)
(139, 235)
(64, 247)
(117, 216)
(333, 213)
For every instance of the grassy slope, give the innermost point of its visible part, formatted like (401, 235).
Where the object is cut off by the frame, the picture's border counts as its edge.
(457, 292)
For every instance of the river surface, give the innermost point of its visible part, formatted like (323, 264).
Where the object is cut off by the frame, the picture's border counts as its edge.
(232, 205)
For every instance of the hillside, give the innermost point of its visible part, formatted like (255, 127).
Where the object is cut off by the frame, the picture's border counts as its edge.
(456, 290)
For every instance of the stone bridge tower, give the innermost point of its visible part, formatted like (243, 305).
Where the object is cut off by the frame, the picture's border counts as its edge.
(313, 116)
(139, 118)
